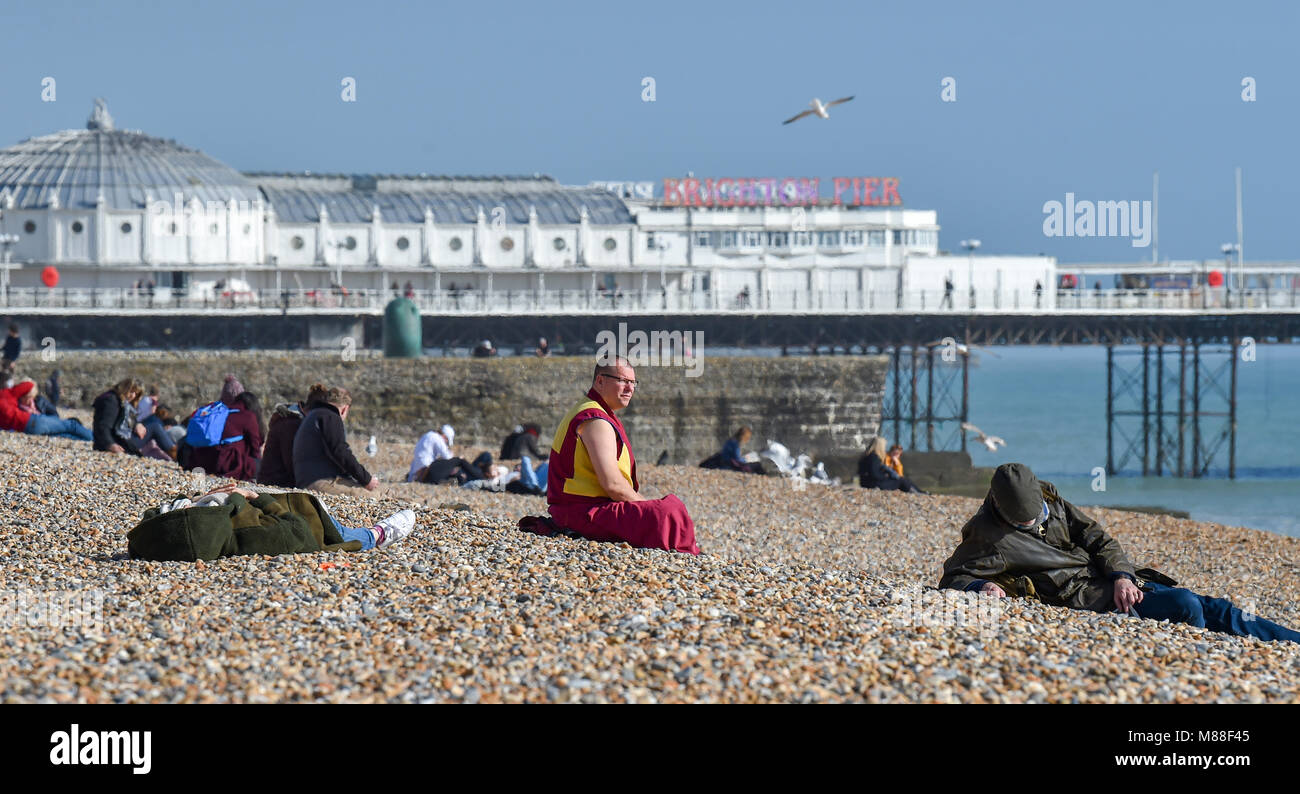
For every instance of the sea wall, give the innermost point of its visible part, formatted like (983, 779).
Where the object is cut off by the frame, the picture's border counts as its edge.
(828, 407)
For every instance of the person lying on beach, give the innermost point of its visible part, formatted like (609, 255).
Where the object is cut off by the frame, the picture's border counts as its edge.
(592, 487)
(433, 446)
(231, 520)
(1027, 541)
(18, 412)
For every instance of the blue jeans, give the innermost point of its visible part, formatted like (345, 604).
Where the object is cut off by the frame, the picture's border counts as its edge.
(1181, 605)
(526, 474)
(366, 537)
(154, 430)
(42, 425)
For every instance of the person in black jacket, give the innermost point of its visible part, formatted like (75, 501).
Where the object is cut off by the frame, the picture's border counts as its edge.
(522, 442)
(322, 459)
(873, 473)
(114, 427)
(13, 346)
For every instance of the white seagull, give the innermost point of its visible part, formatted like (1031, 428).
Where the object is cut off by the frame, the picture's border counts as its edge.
(372, 448)
(992, 442)
(816, 107)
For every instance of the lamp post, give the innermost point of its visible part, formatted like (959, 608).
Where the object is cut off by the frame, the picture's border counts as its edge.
(970, 246)
(1228, 249)
(7, 241)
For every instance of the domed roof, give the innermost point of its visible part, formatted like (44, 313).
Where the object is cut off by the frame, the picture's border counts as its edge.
(73, 168)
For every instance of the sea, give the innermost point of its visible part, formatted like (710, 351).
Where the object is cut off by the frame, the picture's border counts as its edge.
(1049, 405)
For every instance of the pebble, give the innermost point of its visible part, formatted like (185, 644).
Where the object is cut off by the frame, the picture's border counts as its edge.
(819, 595)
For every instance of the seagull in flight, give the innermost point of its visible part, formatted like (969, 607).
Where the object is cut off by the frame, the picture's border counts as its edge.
(818, 108)
(992, 442)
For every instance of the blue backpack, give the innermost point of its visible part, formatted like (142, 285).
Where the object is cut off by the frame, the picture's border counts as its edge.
(208, 424)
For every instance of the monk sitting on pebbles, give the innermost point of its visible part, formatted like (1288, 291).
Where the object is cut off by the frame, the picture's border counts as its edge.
(230, 520)
(1027, 541)
(592, 487)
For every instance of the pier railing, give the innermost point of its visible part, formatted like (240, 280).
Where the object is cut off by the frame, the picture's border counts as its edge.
(547, 302)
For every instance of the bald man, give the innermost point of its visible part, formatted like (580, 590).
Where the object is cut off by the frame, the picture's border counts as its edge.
(592, 487)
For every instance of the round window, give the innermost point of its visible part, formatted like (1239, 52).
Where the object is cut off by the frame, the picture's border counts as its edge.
(247, 228)
(403, 243)
(507, 243)
(296, 242)
(126, 228)
(350, 243)
(610, 244)
(213, 229)
(77, 228)
(29, 227)
(454, 243)
(559, 243)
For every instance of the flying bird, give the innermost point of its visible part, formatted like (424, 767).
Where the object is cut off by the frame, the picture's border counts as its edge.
(816, 107)
(992, 442)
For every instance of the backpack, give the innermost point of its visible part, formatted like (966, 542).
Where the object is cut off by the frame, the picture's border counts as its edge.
(207, 425)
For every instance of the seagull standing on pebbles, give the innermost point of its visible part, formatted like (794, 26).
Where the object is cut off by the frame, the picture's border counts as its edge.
(816, 107)
(992, 442)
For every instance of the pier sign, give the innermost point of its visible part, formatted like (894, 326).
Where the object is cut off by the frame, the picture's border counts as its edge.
(782, 192)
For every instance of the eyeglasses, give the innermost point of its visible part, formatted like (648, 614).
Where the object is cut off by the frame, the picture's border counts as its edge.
(628, 381)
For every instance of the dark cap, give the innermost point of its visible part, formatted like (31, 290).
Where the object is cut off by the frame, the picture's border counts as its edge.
(1016, 493)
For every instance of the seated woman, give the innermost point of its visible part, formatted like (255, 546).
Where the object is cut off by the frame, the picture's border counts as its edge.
(874, 473)
(114, 428)
(18, 412)
(230, 520)
(240, 449)
(276, 465)
(730, 456)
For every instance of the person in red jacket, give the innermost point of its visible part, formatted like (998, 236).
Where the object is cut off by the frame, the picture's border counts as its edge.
(18, 414)
(236, 459)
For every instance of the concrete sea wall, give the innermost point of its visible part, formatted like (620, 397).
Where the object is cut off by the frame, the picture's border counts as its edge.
(828, 407)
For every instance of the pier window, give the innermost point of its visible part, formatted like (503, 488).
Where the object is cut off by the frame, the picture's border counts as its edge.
(558, 243)
(610, 243)
(507, 243)
(403, 243)
(803, 238)
(898, 237)
(778, 239)
(728, 239)
(649, 241)
(77, 228)
(703, 239)
(853, 237)
(752, 239)
(296, 242)
(876, 238)
(126, 228)
(454, 243)
(29, 227)
(350, 243)
(830, 239)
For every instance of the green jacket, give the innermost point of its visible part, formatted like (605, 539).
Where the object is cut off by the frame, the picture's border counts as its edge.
(283, 523)
(1068, 560)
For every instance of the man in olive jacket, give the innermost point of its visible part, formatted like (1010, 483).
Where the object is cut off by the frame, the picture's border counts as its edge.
(231, 521)
(1027, 541)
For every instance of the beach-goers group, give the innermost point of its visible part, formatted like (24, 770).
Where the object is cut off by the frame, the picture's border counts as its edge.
(1025, 540)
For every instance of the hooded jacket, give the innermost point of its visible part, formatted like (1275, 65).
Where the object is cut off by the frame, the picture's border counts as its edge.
(1068, 560)
(284, 523)
(276, 467)
(320, 448)
(11, 416)
(112, 425)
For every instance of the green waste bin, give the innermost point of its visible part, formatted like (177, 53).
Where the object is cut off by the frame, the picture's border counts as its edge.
(402, 332)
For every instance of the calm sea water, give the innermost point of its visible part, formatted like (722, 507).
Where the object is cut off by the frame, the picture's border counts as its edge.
(1049, 404)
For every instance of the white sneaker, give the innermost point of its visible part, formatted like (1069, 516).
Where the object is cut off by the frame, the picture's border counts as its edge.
(394, 528)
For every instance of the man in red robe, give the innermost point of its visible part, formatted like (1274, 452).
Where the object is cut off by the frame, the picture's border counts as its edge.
(591, 485)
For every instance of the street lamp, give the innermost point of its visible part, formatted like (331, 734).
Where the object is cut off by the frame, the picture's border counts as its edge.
(7, 241)
(970, 246)
(1228, 250)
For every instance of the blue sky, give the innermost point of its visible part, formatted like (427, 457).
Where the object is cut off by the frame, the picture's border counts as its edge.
(1088, 98)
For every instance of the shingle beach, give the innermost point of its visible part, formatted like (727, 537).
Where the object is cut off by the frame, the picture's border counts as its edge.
(808, 595)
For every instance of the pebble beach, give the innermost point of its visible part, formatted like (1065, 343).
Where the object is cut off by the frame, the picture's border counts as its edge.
(820, 594)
